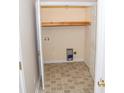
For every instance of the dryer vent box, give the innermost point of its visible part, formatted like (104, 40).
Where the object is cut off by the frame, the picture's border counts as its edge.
(69, 54)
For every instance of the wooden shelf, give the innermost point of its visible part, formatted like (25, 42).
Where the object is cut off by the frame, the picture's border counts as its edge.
(64, 6)
(55, 24)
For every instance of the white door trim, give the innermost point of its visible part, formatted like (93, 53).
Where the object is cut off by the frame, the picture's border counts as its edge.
(22, 82)
(39, 42)
(21, 72)
(100, 47)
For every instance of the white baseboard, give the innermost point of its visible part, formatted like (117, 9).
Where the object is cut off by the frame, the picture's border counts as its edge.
(37, 89)
(64, 61)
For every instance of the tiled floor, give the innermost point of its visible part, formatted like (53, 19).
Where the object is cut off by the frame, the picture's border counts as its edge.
(68, 78)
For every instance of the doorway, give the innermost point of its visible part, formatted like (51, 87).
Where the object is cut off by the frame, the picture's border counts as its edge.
(68, 27)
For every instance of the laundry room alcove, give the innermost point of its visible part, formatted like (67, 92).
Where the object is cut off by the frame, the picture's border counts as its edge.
(68, 28)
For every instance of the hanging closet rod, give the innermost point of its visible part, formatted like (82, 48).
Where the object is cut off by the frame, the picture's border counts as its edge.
(67, 4)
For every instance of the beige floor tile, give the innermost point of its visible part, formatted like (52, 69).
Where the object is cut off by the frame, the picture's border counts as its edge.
(68, 78)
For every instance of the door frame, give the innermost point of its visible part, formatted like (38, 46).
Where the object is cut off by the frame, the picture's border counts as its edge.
(100, 48)
(39, 42)
(39, 31)
(22, 87)
(99, 39)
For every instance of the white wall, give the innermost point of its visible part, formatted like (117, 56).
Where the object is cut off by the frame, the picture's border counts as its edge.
(62, 38)
(28, 49)
(65, 14)
(91, 44)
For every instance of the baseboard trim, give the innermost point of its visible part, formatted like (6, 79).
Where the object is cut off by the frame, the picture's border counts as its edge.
(64, 61)
(37, 86)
